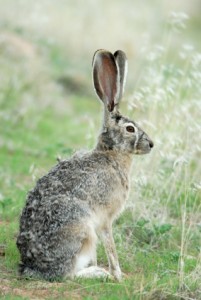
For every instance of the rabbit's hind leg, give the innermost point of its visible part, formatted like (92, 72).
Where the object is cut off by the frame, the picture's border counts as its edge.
(86, 261)
(87, 254)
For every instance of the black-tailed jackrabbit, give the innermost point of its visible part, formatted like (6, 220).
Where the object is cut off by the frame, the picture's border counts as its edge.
(80, 198)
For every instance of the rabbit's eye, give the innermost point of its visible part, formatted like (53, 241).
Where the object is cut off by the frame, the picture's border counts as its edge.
(130, 128)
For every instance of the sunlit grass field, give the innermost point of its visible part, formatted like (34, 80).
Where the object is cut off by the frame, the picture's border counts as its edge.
(48, 109)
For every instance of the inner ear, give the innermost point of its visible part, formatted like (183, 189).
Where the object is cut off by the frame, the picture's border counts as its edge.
(105, 76)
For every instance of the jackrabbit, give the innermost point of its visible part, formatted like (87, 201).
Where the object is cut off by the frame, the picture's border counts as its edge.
(80, 197)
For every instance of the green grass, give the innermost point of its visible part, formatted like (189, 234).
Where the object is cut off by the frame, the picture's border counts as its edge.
(43, 117)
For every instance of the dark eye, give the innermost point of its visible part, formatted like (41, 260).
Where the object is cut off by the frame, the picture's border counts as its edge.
(130, 128)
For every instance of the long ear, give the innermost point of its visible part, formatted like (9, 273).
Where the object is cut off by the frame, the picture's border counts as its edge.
(105, 77)
(121, 61)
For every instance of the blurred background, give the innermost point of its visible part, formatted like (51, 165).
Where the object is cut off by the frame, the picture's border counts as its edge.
(66, 33)
(48, 107)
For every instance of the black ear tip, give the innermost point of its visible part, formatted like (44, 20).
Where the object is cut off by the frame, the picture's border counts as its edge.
(120, 53)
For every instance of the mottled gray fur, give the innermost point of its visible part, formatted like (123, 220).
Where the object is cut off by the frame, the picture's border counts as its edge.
(80, 198)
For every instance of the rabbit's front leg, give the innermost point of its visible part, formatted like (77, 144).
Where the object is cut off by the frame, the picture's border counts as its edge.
(93, 261)
(108, 241)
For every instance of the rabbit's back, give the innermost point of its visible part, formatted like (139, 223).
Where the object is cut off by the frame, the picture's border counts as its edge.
(75, 189)
(93, 178)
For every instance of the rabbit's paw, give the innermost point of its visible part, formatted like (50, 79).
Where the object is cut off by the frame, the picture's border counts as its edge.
(117, 274)
(94, 272)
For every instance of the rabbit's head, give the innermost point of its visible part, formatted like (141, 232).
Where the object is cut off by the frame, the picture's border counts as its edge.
(118, 133)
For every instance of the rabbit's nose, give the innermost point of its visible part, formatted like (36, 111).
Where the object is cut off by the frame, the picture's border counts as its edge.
(151, 144)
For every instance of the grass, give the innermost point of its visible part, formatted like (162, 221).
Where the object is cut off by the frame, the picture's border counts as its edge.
(46, 112)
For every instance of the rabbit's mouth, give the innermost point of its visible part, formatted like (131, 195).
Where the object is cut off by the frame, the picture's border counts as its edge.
(142, 152)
